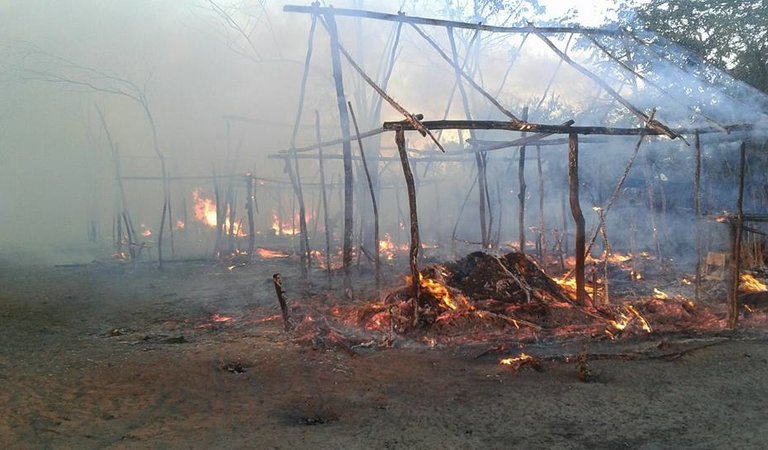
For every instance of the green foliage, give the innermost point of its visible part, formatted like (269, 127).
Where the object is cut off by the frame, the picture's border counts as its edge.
(729, 34)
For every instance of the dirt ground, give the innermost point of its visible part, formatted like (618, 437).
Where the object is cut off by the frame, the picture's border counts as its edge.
(107, 356)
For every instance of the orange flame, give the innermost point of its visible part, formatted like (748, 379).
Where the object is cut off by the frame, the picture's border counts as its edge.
(205, 212)
(750, 284)
(286, 227)
(441, 293)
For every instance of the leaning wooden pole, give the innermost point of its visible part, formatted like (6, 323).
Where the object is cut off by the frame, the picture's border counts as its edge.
(697, 214)
(521, 193)
(736, 231)
(341, 103)
(578, 217)
(413, 254)
(294, 176)
(324, 197)
(377, 258)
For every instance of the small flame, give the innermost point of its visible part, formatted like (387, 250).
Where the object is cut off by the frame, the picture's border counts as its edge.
(660, 294)
(750, 284)
(626, 317)
(523, 357)
(180, 225)
(146, 232)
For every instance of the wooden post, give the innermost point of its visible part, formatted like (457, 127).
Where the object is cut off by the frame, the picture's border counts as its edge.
(377, 261)
(542, 224)
(578, 217)
(479, 160)
(250, 183)
(341, 102)
(736, 232)
(697, 214)
(324, 198)
(413, 254)
(521, 193)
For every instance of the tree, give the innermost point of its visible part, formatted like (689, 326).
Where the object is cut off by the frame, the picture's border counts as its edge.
(730, 34)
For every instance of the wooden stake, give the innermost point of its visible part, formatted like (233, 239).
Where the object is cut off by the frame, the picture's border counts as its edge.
(373, 199)
(341, 102)
(413, 254)
(578, 217)
(277, 280)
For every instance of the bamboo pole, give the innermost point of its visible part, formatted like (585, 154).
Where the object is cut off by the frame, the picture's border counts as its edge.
(578, 217)
(413, 253)
(377, 259)
(736, 233)
(341, 101)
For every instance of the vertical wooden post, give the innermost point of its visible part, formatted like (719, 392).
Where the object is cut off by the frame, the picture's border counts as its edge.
(542, 225)
(377, 261)
(521, 193)
(324, 198)
(413, 254)
(250, 184)
(578, 217)
(341, 102)
(697, 214)
(479, 157)
(736, 232)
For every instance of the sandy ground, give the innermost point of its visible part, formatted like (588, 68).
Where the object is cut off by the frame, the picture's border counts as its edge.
(101, 356)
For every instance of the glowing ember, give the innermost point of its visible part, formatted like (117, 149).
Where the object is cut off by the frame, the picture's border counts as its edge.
(205, 212)
(270, 254)
(659, 294)
(146, 232)
(749, 284)
(221, 319)
(180, 225)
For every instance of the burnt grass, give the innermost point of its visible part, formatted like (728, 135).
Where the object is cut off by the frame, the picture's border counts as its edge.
(195, 356)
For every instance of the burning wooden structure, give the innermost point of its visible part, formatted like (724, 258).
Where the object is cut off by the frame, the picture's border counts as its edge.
(692, 104)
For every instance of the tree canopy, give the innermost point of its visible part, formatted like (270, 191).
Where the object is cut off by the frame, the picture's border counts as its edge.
(730, 34)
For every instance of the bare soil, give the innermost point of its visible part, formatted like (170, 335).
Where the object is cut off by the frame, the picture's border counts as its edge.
(194, 356)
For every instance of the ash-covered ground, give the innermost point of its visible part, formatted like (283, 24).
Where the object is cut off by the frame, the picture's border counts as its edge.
(195, 356)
